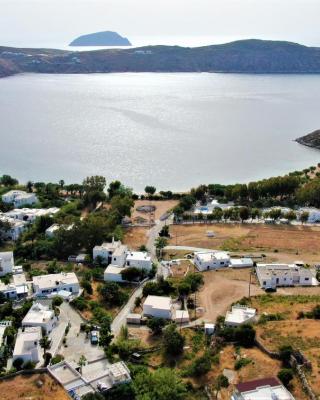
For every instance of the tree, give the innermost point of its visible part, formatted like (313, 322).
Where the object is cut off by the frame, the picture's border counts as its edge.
(221, 382)
(217, 214)
(131, 274)
(156, 325)
(163, 384)
(87, 286)
(285, 375)
(290, 215)
(57, 301)
(150, 190)
(7, 180)
(304, 216)
(201, 365)
(112, 294)
(138, 301)
(82, 362)
(161, 243)
(285, 353)
(184, 288)
(245, 335)
(275, 213)
(195, 280)
(45, 344)
(173, 341)
(61, 183)
(244, 213)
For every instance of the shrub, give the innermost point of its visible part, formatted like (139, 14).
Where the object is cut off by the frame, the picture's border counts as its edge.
(285, 375)
(242, 362)
(57, 301)
(56, 359)
(201, 365)
(156, 325)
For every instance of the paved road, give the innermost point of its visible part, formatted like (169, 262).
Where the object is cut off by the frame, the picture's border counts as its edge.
(121, 318)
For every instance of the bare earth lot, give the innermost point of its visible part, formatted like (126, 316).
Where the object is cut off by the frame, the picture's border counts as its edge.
(222, 288)
(136, 237)
(162, 206)
(25, 387)
(283, 243)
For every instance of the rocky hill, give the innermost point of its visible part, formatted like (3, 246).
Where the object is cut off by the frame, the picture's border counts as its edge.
(106, 38)
(311, 140)
(245, 56)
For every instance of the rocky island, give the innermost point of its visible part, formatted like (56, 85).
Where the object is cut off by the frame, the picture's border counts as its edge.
(310, 140)
(106, 38)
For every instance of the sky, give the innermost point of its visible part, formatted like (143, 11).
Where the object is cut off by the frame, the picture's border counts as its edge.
(54, 23)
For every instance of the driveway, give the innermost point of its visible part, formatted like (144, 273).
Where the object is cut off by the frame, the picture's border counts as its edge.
(77, 342)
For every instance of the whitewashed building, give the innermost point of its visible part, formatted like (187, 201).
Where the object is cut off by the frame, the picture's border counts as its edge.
(139, 259)
(42, 316)
(240, 315)
(16, 227)
(111, 253)
(50, 232)
(261, 389)
(207, 260)
(27, 346)
(19, 198)
(45, 285)
(244, 262)
(6, 263)
(158, 307)
(271, 276)
(113, 273)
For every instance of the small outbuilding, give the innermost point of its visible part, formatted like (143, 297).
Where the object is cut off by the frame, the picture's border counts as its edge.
(158, 307)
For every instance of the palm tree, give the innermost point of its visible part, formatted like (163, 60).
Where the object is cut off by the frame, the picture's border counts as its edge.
(82, 362)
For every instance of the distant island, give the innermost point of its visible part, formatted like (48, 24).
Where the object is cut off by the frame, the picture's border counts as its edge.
(311, 140)
(106, 38)
(244, 56)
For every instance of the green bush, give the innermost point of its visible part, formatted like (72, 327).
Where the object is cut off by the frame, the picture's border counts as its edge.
(242, 362)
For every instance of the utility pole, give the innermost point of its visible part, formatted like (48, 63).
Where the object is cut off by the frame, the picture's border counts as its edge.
(250, 284)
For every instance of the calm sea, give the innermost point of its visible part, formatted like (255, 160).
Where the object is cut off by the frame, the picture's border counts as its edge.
(173, 131)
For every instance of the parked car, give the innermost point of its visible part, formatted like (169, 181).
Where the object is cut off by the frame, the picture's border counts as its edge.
(94, 337)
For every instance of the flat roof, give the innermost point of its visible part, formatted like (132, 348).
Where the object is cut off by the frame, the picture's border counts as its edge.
(163, 303)
(212, 255)
(38, 314)
(113, 269)
(138, 255)
(53, 280)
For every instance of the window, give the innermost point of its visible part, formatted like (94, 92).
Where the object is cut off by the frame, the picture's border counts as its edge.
(264, 283)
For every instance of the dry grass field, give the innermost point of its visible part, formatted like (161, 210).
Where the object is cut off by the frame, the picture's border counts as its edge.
(33, 387)
(136, 237)
(302, 334)
(285, 243)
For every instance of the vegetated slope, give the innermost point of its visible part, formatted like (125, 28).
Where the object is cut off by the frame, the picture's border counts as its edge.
(310, 140)
(245, 56)
(106, 38)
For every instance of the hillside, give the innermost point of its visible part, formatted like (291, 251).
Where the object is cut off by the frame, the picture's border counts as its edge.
(106, 38)
(311, 140)
(245, 56)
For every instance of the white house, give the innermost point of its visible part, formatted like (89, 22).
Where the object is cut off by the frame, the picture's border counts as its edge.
(9, 291)
(51, 230)
(111, 253)
(30, 214)
(158, 306)
(263, 389)
(19, 198)
(240, 315)
(276, 275)
(113, 273)
(16, 227)
(44, 285)
(139, 259)
(206, 260)
(40, 315)
(27, 345)
(6, 263)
